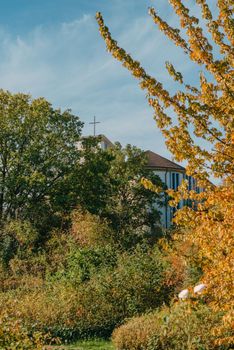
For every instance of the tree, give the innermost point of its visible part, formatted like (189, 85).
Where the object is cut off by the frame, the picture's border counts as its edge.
(89, 185)
(108, 184)
(202, 107)
(37, 152)
(132, 210)
(209, 108)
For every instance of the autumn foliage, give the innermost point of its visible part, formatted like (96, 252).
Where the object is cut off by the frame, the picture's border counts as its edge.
(203, 113)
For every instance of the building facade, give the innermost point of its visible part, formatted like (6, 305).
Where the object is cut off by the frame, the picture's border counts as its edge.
(170, 173)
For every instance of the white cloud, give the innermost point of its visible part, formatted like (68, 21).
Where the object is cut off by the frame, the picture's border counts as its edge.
(68, 65)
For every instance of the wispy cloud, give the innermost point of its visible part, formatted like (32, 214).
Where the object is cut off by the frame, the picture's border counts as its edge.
(67, 64)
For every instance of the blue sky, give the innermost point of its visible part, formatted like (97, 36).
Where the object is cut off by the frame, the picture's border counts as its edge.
(52, 48)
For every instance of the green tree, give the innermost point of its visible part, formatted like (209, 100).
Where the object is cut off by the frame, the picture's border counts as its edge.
(131, 208)
(89, 185)
(108, 184)
(37, 153)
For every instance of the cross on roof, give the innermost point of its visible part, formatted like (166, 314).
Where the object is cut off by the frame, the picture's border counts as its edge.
(94, 125)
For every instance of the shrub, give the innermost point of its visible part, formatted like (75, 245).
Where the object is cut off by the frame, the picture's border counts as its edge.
(90, 230)
(136, 333)
(134, 286)
(137, 283)
(46, 309)
(17, 237)
(83, 263)
(131, 286)
(14, 335)
(183, 326)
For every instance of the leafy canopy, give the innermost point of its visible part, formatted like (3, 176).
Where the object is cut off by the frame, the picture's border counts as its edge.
(37, 152)
(204, 112)
(108, 184)
(203, 107)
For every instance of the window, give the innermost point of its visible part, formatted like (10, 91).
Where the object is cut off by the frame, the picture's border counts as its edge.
(175, 181)
(189, 183)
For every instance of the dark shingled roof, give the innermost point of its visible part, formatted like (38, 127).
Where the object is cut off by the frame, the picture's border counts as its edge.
(155, 161)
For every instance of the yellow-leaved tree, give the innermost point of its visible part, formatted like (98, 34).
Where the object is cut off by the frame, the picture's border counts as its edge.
(209, 109)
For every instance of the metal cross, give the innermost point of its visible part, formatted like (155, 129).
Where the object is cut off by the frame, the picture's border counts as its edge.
(94, 125)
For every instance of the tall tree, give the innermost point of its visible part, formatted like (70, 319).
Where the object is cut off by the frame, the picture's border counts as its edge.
(108, 184)
(132, 209)
(37, 152)
(209, 109)
(88, 186)
(203, 107)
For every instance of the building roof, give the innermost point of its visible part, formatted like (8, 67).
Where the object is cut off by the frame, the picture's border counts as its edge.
(155, 161)
(106, 140)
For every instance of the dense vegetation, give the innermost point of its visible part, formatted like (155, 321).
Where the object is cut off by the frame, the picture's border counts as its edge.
(82, 254)
(78, 229)
(199, 131)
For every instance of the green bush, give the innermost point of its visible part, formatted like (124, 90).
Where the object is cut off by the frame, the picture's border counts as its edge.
(84, 263)
(133, 286)
(186, 325)
(17, 238)
(137, 283)
(129, 286)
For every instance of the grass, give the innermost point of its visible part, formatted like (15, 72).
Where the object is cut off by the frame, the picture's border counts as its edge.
(87, 345)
